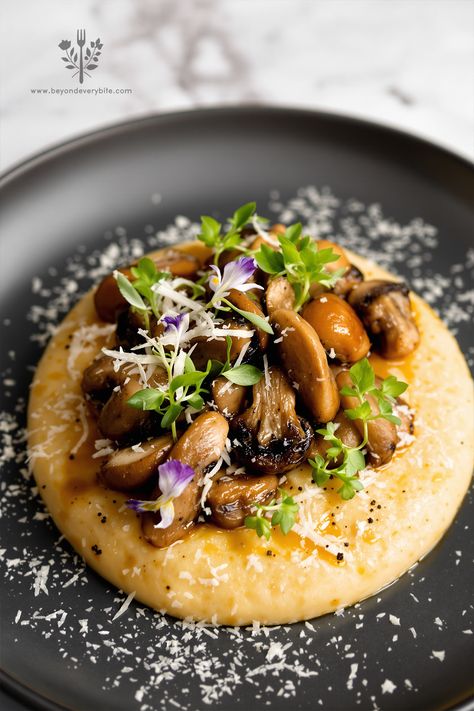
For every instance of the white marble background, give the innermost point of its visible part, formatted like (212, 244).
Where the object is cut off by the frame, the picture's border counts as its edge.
(408, 63)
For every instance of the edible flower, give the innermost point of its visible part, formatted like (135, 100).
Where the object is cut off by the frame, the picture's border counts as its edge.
(173, 478)
(235, 276)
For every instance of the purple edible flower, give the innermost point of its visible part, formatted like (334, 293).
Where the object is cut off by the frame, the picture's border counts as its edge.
(172, 321)
(173, 478)
(234, 276)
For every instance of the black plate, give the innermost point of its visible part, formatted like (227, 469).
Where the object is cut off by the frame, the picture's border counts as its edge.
(391, 196)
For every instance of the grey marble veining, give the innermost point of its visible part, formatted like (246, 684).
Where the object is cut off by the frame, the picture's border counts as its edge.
(407, 63)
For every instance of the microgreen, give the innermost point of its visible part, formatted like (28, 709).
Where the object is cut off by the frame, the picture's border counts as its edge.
(300, 261)
(363, 379)
(244, 374)
(182, 391)
(352, 459)
(283, 515)
(213, 236)
(138, 292)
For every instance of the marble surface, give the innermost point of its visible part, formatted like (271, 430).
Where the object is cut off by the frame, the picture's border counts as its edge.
(407, 63)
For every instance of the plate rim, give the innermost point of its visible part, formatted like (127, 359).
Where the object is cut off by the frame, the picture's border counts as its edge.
(16, 688)
(43, 156)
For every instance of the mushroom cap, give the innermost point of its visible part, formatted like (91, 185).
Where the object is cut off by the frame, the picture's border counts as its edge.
(228, 397)
(385, 309)
(242, 302)
(305, 362)
(130, 468)
(199, 446)
(279, 294)
(232, 498)
(338, 327)
(186, 510)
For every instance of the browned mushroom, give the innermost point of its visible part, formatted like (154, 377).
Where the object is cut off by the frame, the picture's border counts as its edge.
(347, 433)
(279, 294)
(338, 327)
(199, 447)
(242, 302)
(348, 281)
(382, 434)
(109, 301)
(277, 229)
(305, 362)
(385, 310)
(117, 419)
(98, 381)
(180, 264)
(269, 437)
(129, 468)
(128, 323)
(231, 498)
(341, 263)
(228, 397)
(216, 348)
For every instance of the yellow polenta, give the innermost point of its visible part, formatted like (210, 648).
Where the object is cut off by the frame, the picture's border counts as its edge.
(340, 551)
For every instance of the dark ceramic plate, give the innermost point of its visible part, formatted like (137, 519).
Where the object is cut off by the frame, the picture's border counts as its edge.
(387, 195)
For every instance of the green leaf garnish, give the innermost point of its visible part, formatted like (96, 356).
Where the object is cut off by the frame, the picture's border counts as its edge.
(213, 237)
(244, 375)
(283, 514)
(129, 292)
(300, 261)
(257, 321)
(343, 462)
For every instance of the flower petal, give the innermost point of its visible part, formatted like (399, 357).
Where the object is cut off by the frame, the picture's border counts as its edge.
(174, 476)
(172, 321)
(167, 515)
(215, 280)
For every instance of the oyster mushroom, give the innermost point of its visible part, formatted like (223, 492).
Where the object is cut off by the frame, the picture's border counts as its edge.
(279, 294)
(228, 396)
(199, 447)
(270, 438)
(338, 327)
(385, 310)
(382, 435)
(305, 362)
(129, 468)
(231, 498)
(347, 433)
(349, 279)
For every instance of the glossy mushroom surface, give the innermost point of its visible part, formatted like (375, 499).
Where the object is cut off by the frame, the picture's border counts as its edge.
(339, 328)
(231, 499)
(304, 359)
(129, 468)
(385, 310)
(200, 446)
